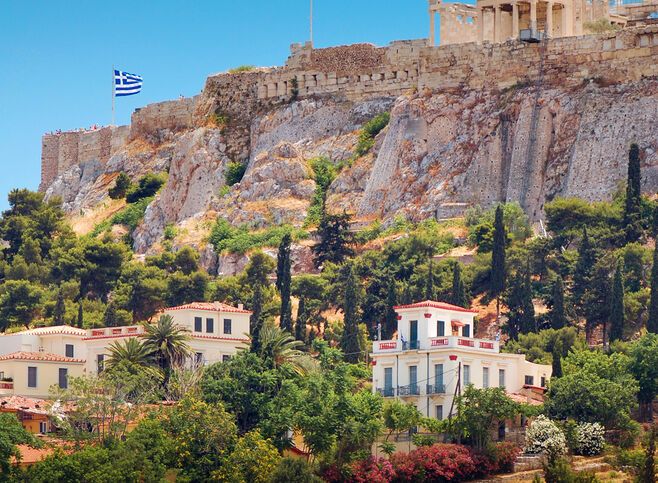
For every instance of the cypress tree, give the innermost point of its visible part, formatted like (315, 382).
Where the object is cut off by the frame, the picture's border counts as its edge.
(350, 343)
(459, 297)
(283, 279)
(521, 314)
(528, 322)
(652, 321)
(391, 318)
(557, 360)
(302, 320)
(498, 258)
(110, 316)
(59, 310)
(558, 315)
(617, 304)
(256, 319)
(583, 271)
(632, 208)
(80, 314)
(429, 283)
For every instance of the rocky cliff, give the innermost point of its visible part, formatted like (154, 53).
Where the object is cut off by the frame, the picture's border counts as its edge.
(546, 125)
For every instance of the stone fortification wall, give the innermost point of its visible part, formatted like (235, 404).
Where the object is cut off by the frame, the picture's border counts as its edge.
(362, 70)
(60, 151)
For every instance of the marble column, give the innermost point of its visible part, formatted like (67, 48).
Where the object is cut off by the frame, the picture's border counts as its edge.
(480, 25)
(549, 19)
(515, 20)
(533, 16)
(498, 24)
(432, 27)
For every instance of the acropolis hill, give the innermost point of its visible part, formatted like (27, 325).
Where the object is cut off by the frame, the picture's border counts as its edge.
(471, 123)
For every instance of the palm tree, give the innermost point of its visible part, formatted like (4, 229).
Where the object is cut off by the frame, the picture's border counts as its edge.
(280, 348)
(168, 343)
(131, 351)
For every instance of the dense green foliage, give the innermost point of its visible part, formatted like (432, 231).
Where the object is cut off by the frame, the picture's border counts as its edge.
(147, 186)
(227, 238)
(234, 172)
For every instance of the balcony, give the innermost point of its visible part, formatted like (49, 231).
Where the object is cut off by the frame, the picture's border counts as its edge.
(6, 387)
(436, 389)
(435, 343)
(410, 390)
(386, 391)
(116, 331)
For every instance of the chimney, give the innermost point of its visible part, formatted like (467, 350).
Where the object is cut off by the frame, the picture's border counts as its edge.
(240, 307)
(217, 305)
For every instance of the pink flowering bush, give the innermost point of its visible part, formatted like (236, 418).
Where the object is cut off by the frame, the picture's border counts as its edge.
(372, 470)
(440, 462)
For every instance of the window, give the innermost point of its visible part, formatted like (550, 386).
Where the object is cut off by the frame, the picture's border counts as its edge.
(529, 380)
(199, 358)
(438, 412)
(100, 362)
(438, 378)
(198, 322)
(210, 325)
(69, 350)
(227, 326)
(43, 427)
(440, 328)
(413, 379)
(543, 382)
(466, 331)
(485, 377)
(226, 358)
(501, 377)
(63, 378)
(467, 375)
(31, 377)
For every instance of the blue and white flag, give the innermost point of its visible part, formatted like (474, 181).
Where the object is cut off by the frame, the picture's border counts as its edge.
(126, 84)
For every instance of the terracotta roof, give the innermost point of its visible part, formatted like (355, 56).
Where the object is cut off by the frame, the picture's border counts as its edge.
(39, 356)
(31, 455)
(214, 306)
(214, 337)
(21, 403)
(520, 398)
(435, 305)
(53, 330)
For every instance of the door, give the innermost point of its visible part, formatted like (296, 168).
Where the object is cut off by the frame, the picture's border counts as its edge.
(413, 334)
(388, 381)
(413, 379)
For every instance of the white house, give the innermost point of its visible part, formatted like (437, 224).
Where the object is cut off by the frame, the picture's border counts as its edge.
(435, 352)
(31, 361)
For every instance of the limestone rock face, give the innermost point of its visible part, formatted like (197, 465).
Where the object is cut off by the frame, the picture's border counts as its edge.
(196, 174)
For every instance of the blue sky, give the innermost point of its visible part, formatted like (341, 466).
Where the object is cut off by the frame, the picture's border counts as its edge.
(57, 57)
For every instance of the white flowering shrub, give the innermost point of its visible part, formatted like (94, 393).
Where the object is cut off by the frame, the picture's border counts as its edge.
(545, 437)
(590, 439)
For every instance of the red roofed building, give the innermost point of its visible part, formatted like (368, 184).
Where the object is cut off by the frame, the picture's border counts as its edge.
(435, 353)
(32, 361)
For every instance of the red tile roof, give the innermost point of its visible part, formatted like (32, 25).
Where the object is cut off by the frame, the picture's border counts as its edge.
(53, 330)
(30, 455)
(39, 356)
(435, 305)
(214, 337)
(27, 404)
(214, 306)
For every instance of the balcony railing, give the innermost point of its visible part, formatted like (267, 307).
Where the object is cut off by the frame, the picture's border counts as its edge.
(433, 343)
(6, 385)
(386, 391)
(410, 390)
(436, 389)
(117, 331)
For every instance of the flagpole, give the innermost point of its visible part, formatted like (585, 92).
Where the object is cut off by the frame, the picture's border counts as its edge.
(311, 22)
(112, 96)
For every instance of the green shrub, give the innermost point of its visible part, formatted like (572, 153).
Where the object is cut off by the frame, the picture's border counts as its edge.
(219, 120)
(122, 185)
(148, 186)
(324, 173)
(241, 68)
(369, 131)
(226, 238)
(234, 172)
(170, 231)
(130, 216)
(558, 470)
(629, 461)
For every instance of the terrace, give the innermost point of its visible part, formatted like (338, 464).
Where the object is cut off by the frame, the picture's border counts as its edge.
(110, 332)
(435, 343)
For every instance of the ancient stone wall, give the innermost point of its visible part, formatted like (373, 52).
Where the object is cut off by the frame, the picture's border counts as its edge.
(171, 115)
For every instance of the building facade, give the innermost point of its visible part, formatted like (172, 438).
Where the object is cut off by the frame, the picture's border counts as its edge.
(435, 356)
(32, 361)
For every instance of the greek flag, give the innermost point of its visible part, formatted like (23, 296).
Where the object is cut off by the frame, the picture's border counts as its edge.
(126, 84)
